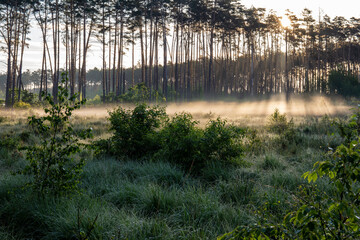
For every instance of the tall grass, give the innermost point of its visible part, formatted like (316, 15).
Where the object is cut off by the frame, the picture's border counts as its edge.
(155, 199)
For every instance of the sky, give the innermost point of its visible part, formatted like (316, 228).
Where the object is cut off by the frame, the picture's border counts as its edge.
(346, 8)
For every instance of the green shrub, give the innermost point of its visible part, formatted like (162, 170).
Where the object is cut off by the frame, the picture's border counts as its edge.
(22, 105)
(343, 83)
(139, 93)
(51, 164)
(221, 142)
(278, 122)
(287, 134)
(28, 97)
(95, 100)
(180, 139)
(102, 147)
(109, 97)
(192, 148)
(135, 130)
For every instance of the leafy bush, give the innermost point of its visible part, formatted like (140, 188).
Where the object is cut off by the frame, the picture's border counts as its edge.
(185, 144)
(138, 93)
(180, 141)
(51, 164)
(278, 122)
(102, 147)
(221, 142)
(135, 130)
(28, 97)
(95, 100)
(137, 133)
(343, 83)
(287, 134)
(22, 105)
(109, 97)
(141, 93)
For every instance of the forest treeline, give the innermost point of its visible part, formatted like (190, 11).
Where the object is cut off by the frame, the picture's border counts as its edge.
(188, 48)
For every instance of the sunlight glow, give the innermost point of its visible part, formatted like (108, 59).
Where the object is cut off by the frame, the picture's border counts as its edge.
(285, 21)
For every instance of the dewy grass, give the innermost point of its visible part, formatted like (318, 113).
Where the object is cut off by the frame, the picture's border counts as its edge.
(153, 199)
(271, 163)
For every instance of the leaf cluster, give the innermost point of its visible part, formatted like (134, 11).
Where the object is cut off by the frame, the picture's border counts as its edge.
(278, 123)
(51, 163)
(134, 130)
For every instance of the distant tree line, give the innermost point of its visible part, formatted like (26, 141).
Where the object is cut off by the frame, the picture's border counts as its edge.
(190, 48)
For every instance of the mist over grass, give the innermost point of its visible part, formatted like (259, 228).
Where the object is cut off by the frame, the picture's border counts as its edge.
(154, 199)
(237, 111)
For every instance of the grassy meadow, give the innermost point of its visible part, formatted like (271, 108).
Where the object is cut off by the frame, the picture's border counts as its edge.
(148, 198)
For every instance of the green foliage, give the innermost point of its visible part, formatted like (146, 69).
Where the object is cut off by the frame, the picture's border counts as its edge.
(51, 163)
(22, 105)
(135, 130)
(278, 122)
(137, 133)
(180, 141)
(108, 98)
(102, 147)
(343, 83)
(336, 215)
(193, 148)
(287, 134)
(138, 93)
(350, 130)
(221, 142)
(95, 100)
(28, 97)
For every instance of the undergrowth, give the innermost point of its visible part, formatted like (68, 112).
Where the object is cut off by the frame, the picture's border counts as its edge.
(241, 177)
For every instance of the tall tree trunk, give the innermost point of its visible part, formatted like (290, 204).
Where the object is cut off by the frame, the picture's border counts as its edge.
(165, 80)
(9, 26)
